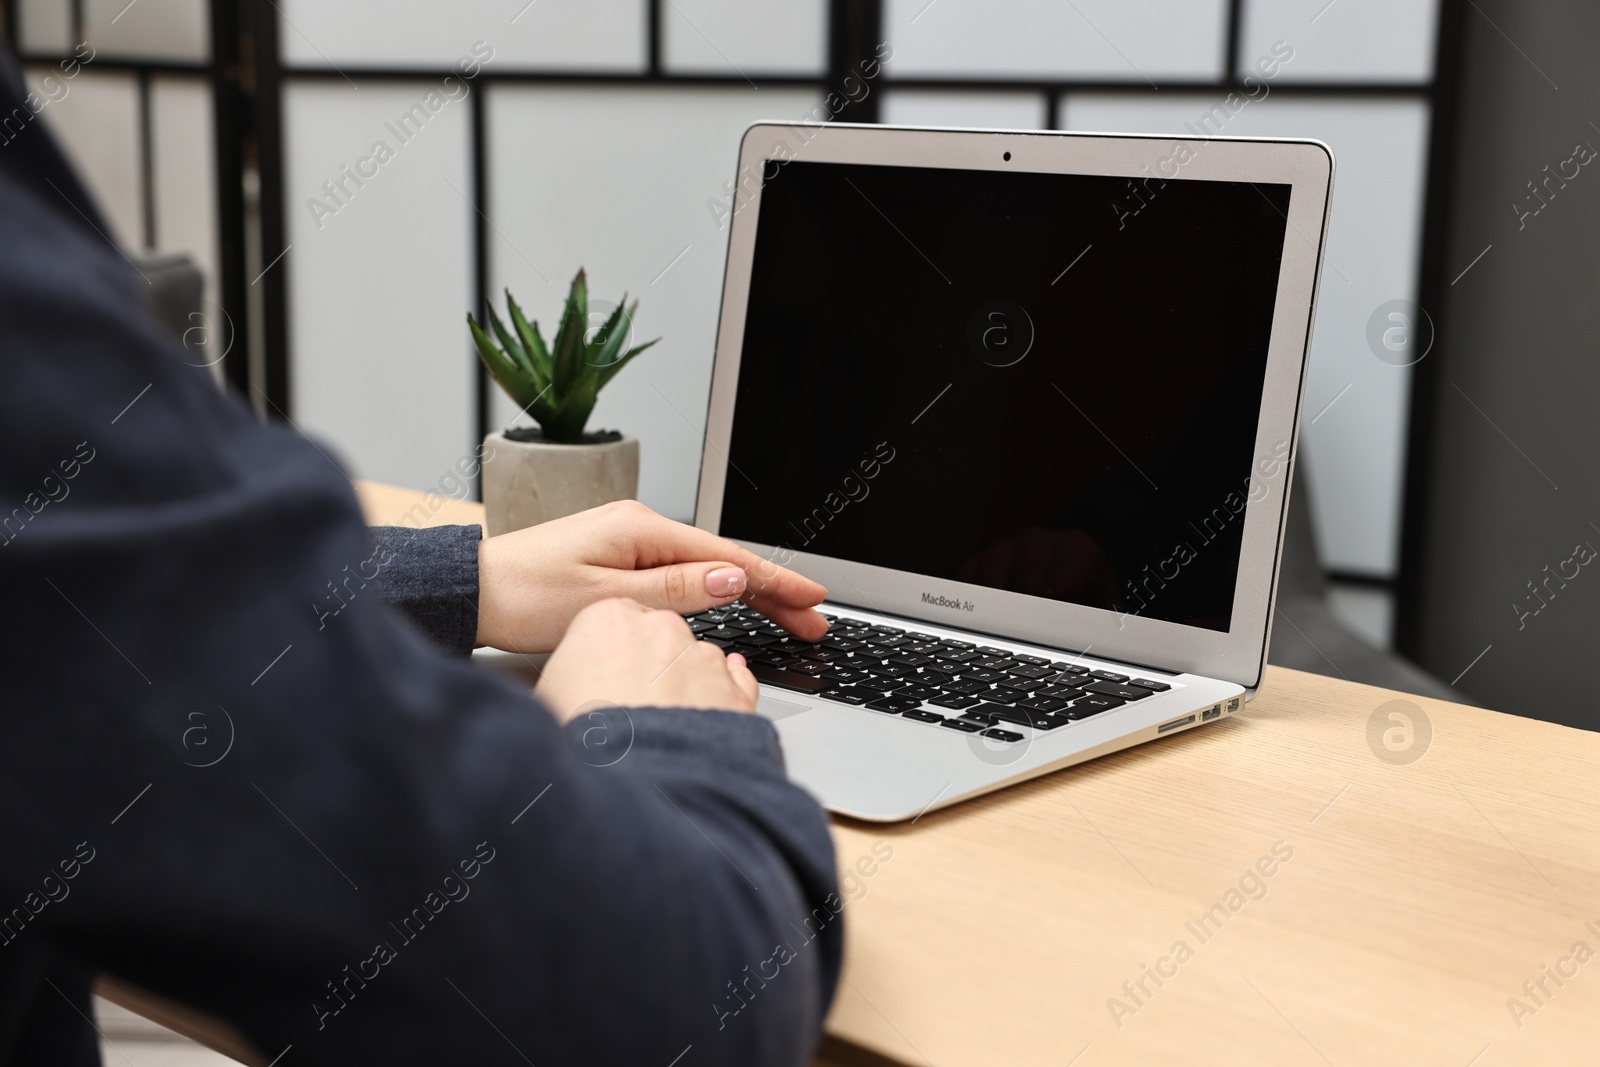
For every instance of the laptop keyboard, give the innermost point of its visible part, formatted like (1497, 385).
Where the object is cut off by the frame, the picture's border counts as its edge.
(959, 685)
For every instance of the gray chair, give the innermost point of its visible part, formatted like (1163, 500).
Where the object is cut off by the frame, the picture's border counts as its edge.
(177, 290)
(1308, 636)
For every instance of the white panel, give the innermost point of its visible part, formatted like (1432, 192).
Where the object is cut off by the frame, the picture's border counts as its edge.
(1355, 411)
(1135, 40)
(96, 117)
(641, 215)
(1367, 611)
(44, 27)
(149, 29)
(544, 34)
(380, 359)
(744, 36)
(987, 110)
(1347, 40)
(182, 140)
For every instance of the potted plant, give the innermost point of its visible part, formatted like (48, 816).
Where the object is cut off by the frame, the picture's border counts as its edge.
(532, 475)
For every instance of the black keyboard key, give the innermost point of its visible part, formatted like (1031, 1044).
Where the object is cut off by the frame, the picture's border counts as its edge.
(1004, 694)
(1038, 720)
(1146, 683)
(891, 643)
(982, 722)
(990, 650)
(920, 636)
(1034, 661)
(850, 695)
(800, 683)
(982, 675)
(772, 659)
(1121, 692)
(894, 704)
(818, 653)
(700, 626)
(758, 640)
(964, 656)
(923, 716)
(1043, 704)
(842, 644)
(1066, 692)
(995, 662)
(954, 701)
(806, 666)
(1027, 685)
(931, 677)
(1026, 671)
(888, 631)
(1091, 705)
(1071, 668)
(963, 726)
(1002, 735)
(966, 686)
(919, 692)
(911, 659)
(1108, 676)
(964, 646)
(844, 675)
(724, 645)
(988, 712)
(888, 670)
(723, 634)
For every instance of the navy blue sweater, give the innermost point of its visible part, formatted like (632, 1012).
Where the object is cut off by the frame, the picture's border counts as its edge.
(322, 828)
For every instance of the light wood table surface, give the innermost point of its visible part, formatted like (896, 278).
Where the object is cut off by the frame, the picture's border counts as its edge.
(1419, 894)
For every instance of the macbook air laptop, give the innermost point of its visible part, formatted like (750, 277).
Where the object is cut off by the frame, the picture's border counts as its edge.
(1026, 403)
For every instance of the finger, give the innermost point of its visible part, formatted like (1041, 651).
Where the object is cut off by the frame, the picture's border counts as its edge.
(661, 541)
(805, 623)
(685, 588)
(746, 683)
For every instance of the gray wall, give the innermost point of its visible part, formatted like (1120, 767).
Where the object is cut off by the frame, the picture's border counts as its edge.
(1515, 482)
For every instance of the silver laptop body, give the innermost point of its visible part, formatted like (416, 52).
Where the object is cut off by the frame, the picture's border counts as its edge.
(1027, 404)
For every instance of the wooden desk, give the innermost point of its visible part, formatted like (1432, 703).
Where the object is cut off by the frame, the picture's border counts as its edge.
(1418, 899)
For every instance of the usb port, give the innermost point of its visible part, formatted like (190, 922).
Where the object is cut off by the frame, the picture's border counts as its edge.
(1175, 723)
(1212, 712)
(1233, 705)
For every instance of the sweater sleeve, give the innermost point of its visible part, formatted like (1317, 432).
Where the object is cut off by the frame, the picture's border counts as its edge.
(430, 576)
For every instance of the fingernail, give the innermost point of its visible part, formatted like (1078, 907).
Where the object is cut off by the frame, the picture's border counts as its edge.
(725, 581)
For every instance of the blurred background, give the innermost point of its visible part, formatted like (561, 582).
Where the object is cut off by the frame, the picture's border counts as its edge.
(1448, 471)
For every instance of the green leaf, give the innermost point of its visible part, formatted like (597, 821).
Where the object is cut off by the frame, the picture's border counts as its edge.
(609, 371)
(521, 391)
(532, 342)
(613, 335)
(569, 420)
(513, 349)
(567, 358)
(608, 339)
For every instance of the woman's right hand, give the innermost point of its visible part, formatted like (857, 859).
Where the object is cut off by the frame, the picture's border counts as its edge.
(619, 652)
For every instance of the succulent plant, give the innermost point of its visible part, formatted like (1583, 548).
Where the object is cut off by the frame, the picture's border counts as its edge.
(557, 384)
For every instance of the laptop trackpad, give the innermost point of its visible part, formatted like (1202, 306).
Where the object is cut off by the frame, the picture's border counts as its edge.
(775, 709)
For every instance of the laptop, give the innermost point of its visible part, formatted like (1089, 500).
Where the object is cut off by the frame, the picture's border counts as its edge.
(1027, 404)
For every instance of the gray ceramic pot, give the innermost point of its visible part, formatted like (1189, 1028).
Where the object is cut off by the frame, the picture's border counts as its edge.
(529, 482)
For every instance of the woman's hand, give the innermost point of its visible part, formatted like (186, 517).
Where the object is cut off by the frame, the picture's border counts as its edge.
(534, 582)
(621, 653)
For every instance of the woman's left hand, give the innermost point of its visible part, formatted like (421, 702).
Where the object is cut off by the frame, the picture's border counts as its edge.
(531, 583)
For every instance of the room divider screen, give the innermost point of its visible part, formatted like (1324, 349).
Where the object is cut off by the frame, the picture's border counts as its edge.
(522, 140)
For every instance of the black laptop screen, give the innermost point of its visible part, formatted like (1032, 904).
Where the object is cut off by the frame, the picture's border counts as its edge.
(1034, 382)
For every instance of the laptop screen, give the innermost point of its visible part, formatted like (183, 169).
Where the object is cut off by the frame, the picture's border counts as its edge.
(1042, 383)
